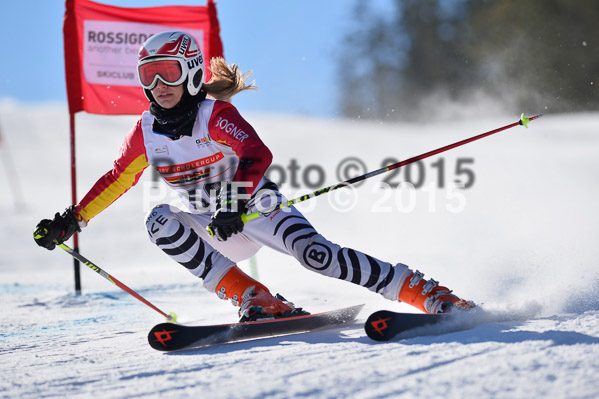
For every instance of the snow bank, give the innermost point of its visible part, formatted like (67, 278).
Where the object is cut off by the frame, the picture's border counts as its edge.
(521, 238)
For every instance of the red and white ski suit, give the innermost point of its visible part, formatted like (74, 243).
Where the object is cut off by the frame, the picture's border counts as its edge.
(224, 147)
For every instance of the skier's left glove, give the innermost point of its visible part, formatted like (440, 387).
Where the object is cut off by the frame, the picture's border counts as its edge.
(48, 233)
(231, 204)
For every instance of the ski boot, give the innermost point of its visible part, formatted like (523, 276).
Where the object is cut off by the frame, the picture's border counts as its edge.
(254, 300)
(261, 305)
(429, 297)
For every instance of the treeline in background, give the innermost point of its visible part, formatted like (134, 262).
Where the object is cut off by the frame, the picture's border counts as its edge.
(425, 56)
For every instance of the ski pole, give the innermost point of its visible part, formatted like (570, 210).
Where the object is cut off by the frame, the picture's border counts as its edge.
(171, 317)
(247, 217)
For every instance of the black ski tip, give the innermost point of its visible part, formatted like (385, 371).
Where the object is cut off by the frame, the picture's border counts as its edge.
(377, 325)
(385, 325)
(161, 336)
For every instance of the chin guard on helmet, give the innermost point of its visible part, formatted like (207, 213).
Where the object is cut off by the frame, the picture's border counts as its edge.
(172, 57)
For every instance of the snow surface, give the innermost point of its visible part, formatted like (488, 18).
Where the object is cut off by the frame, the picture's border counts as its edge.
(524, 242)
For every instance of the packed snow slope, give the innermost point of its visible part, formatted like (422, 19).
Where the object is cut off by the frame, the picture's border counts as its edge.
(521, 238)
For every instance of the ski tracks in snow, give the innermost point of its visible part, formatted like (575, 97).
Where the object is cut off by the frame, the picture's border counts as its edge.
(49, 349)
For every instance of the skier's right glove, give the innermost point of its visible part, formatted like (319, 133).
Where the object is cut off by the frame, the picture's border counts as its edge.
(49, 233)
(226, 221)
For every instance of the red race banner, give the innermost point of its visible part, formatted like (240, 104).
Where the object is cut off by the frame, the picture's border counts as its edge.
(101, 43)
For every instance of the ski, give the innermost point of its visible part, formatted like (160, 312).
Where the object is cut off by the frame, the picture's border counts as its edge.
(172, 337)
(385, 325)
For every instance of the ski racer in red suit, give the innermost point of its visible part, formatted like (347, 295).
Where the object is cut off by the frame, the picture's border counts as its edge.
(213, 158)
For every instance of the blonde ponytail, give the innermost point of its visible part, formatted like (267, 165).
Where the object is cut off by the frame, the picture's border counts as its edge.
(227, 80)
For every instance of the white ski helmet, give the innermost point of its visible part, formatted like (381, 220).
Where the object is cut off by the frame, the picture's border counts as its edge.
(173, 57)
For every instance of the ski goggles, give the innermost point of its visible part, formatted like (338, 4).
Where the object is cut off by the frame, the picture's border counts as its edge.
(169, 70)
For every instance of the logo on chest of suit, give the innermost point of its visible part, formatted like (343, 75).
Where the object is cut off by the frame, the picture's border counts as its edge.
(190, 172)
(161, 150)
(203, 142)
(231, 129)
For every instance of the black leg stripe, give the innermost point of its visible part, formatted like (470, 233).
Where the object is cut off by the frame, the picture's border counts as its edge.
(284, 220)
(294, 228)
(305, 236)
(207, 266)
(186, 246)
(172, 239)
(197, 259)
(386, 281)
(342, 265)
(375, 272)
(355, 264)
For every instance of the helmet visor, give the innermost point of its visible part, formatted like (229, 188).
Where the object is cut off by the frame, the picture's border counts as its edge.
(167, 70)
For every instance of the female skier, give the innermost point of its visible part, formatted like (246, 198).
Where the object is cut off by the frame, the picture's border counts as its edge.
(206, 151)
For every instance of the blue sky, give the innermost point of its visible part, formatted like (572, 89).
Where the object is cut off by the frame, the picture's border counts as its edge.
(292, 47)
